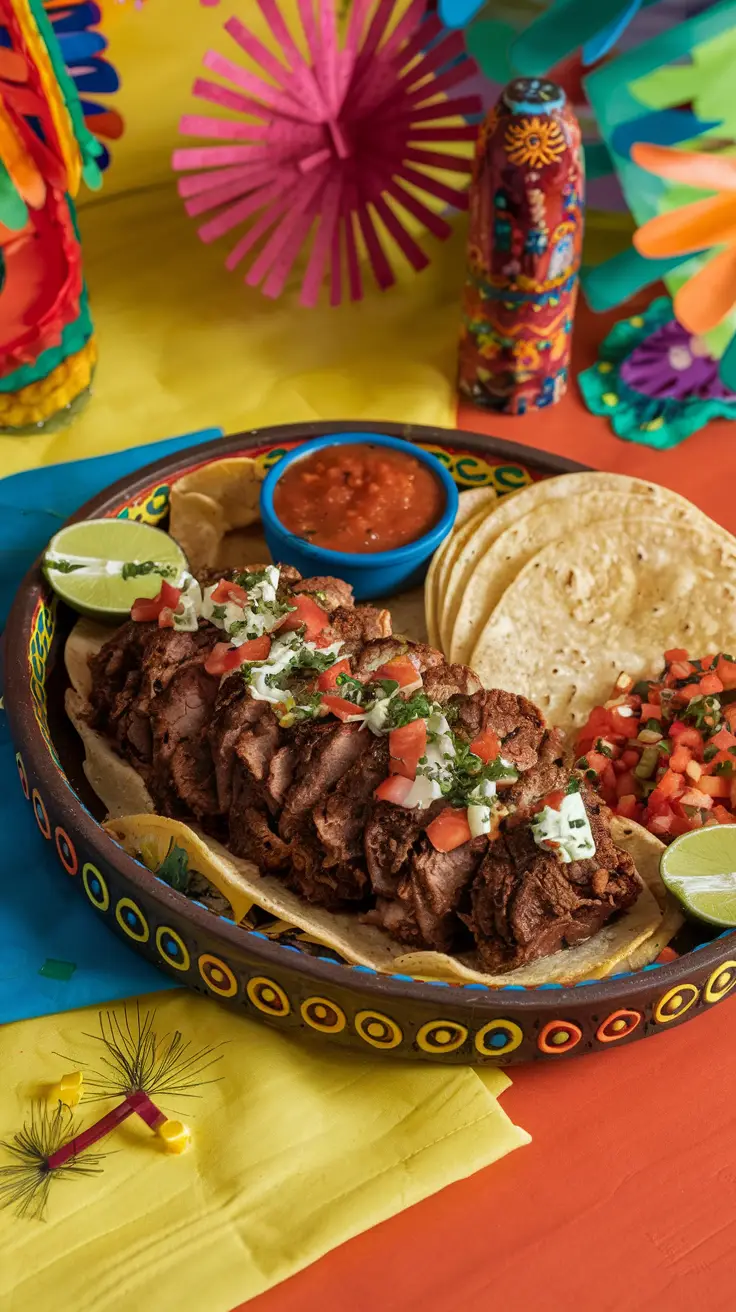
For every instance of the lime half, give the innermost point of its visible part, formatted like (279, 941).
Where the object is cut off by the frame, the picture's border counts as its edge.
(700, 869)
(100, 566)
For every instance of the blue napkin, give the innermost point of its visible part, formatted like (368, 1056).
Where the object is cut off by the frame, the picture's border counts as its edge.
(55, 953)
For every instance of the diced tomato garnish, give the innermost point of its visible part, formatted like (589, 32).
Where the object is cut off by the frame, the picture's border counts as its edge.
(729, 715)
(553, 800)
(328, 678)
(675, 654)
(226, 591)
(689, 737)
(670, 785)
(722, 740)
(694, 797)
(715, 785)
(626, 783)
(680, 758)
(723, 816)
(149, 608)
(306, 612)
(687, 693)
(650, 711)
(608, 778)
(449, 830)
(224, 657)
(394, 789)
(661, 824)
(597, 761)
(402, 670)
(407, 746)
(487, 746)
(681, 669)
(628, 807)
(710, 684)
(628, 725)
(726, 671)
(342, 708)
(629, 758)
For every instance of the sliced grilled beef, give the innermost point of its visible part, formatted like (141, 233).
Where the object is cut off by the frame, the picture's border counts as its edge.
(517, 723)
(423, 913)
(182, 775)
(354, 626)
(380, 650)
(234, 712)
(526, 904)
(115, 672)
(330, 593)
(442, 682)
(547, 774)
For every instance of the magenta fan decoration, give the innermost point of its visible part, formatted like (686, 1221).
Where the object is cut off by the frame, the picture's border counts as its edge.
(332, 149)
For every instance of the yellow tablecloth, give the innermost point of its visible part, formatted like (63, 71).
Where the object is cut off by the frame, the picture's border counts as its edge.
(295, 1150)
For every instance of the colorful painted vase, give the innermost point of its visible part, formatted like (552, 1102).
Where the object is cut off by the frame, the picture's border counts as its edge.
(524, 246)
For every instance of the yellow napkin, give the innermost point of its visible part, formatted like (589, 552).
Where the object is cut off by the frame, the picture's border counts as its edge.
(295, 1150)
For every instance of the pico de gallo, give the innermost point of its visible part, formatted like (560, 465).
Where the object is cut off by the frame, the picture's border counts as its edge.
(663, 751)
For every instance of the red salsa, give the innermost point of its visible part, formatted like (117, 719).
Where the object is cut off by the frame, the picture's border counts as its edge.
(359, 498)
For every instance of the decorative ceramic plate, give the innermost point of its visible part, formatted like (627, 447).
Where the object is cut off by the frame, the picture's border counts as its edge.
(284, 984)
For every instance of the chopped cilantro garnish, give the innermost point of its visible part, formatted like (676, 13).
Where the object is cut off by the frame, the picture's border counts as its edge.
(174, 869)
(237, 627)
(401, 712)
(219, 612)
(133, 568)
(723, 767)
(64, 566)
(709, 752)
(600, 746)
(574, 785)
(314, 660)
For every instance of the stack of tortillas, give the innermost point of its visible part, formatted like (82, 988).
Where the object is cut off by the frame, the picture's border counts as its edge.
(553, 591)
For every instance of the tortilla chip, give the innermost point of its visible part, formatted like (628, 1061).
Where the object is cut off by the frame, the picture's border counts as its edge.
(606, 599)
(212, 501)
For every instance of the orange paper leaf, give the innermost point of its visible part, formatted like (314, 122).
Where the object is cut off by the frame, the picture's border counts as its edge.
(709, 295)
(695, 168)
(688, 229)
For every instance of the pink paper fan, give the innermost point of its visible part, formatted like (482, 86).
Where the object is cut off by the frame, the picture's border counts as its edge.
(325, 149)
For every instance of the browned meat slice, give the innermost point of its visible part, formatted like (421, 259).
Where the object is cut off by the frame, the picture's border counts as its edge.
(389, 837)
(354, 626)
(324, 752)
(526, 904)
(380, 650)
(166, 651)
(179, 719)
(116, 672)
(517, 722)
(251, 835)
(334, 865)
(234, 712)
(548, 774)
(424, 912)
(281, 773)
(327, 757)
(330, 593)
(441, 682)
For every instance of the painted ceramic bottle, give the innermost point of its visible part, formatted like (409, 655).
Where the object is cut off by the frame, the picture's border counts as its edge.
(524, 247)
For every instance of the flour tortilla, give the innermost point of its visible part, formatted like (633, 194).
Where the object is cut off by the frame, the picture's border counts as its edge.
(569, 492)
(133, 823)
(547, 523)
(470, 502)
(608, 599)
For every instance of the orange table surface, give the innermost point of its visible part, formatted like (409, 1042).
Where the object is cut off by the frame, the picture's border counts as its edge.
(626, 1198)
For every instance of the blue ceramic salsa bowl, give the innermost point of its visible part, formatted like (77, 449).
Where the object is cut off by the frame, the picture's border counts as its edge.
(371, 574)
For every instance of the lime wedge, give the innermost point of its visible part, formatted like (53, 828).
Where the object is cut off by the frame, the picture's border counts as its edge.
(700, 869)
(100, 566)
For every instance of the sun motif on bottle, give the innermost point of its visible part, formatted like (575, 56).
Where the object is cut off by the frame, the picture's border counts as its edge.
(534, 141)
